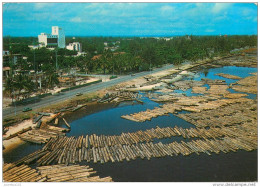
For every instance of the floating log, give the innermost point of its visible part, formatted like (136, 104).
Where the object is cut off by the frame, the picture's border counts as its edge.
(18, 133)
(37, 119)
(38, 124)
(67, 124)
(56, 121)
(44, 113)
(53, 117)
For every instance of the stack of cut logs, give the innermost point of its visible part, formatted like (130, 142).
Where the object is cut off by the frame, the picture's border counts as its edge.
(120, 97)
(55, 173)
(22, 173)
(72, 173)
(192, 104)
(43, 135)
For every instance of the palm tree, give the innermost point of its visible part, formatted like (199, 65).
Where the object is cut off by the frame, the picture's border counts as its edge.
(23, 82)
(9, 87)
(52, 79)
(105, 60)
(28, 85)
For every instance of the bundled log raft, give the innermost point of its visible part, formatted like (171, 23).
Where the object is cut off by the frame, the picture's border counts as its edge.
(54, 173)
(72, 173)
(118, 153)
(22, 173)
(237, 113)
(130, 146)
(228, 76)
(192, 104)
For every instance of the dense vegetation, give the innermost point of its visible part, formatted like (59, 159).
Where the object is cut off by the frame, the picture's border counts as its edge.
(138, 53)
(119, 56)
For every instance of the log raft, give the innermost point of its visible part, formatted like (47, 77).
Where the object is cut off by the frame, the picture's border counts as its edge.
(72, 173)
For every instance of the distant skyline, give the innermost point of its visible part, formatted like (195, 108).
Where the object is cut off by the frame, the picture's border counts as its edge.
(130, 19)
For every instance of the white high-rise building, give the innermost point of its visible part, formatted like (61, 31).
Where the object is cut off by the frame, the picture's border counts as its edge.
(55, 39)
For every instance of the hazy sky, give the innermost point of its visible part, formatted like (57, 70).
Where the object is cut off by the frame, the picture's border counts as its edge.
(130, 19)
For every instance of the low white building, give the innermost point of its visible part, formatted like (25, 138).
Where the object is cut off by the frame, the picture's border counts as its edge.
(75, 46)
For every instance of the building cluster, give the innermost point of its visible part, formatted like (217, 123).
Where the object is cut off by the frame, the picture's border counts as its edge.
(51, 41)
(56, 39)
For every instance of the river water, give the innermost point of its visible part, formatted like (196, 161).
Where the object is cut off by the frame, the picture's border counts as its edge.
(238, 166)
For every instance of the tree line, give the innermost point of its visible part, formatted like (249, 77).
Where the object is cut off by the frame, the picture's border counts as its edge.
(130, 55)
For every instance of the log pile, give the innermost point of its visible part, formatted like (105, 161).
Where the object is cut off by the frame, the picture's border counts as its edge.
(31, 157)
(21, 173)
(120, 97)
(40, 136)
(17, 133)
(130, 146)
(54, 173)
(186, 84)
(73, 153)
(247, 85)
(228, 76)
(72, 173)
(192, 104)
(234, 114)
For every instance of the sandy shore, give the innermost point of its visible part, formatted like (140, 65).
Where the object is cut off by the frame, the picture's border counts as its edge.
(14, 142)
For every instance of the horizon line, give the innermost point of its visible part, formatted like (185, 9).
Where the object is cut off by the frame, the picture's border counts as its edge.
(132, 36)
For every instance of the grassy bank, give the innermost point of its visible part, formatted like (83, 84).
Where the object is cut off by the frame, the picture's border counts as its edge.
(83, 99)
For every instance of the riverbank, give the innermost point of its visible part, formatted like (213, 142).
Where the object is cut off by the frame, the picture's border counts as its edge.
(143, 83)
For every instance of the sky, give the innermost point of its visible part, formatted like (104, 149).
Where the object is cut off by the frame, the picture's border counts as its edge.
(130, 19)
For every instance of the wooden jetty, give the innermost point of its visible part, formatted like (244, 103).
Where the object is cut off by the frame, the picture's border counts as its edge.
(72, 173)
